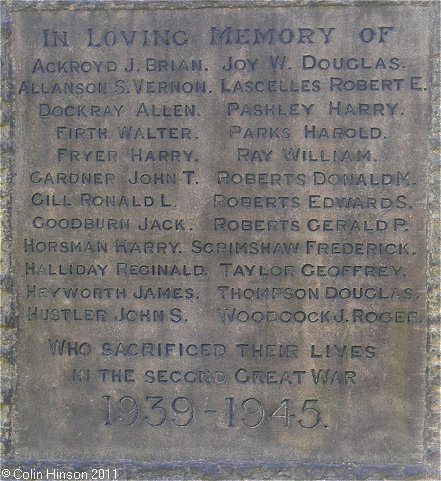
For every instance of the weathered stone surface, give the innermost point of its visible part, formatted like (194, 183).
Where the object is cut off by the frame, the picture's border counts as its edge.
(219, 248)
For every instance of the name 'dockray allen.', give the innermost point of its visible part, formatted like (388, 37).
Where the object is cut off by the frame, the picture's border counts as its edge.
(102, 111)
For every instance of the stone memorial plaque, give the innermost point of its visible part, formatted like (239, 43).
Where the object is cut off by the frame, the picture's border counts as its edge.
(221, 234)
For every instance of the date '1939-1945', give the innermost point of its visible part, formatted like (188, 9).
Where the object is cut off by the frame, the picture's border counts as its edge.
(156, 411)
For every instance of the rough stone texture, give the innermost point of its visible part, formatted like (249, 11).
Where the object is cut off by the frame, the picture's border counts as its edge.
(433, 395)
(202, 470)
(7, 317)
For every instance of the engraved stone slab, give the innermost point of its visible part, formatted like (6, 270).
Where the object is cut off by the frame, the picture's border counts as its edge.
(219, 233)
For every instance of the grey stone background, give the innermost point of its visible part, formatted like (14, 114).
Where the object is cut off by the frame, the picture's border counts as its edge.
(427, 470)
